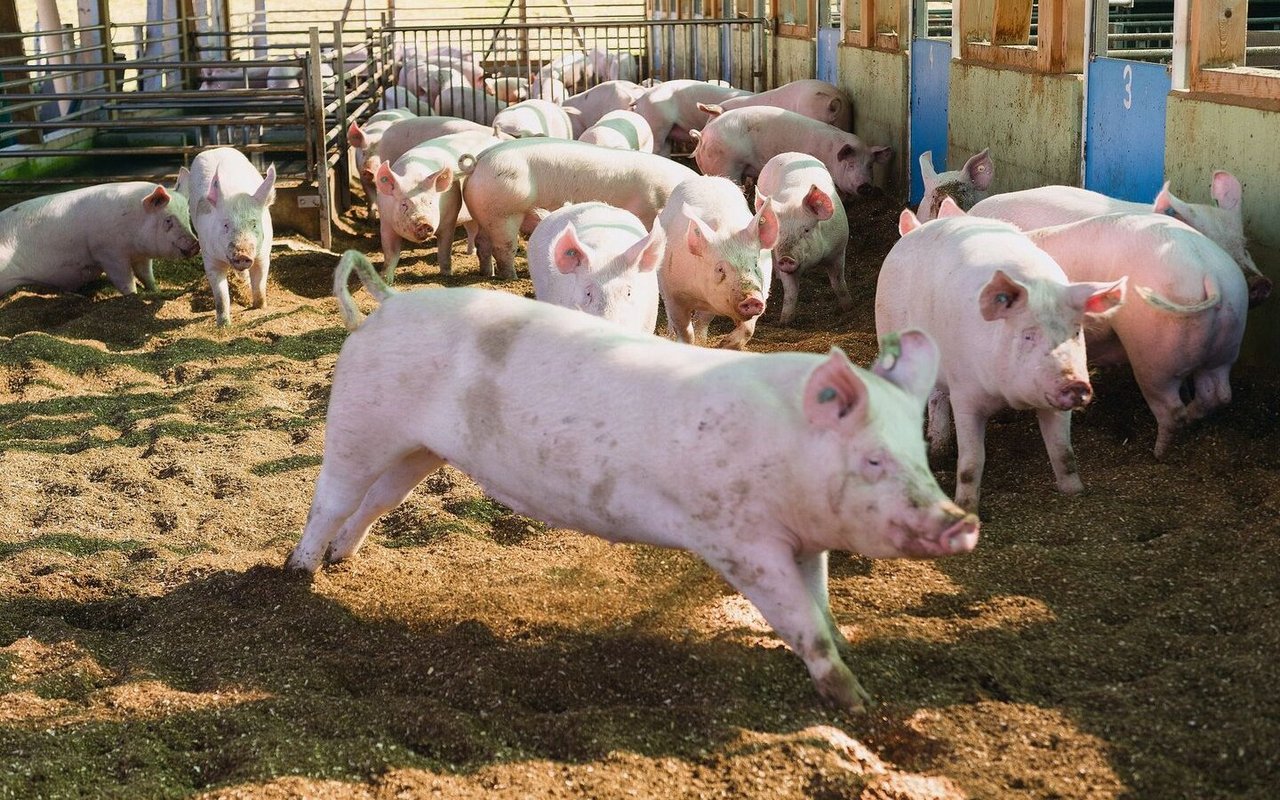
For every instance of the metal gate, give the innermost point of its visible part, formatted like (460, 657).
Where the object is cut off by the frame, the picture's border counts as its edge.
(930, 90)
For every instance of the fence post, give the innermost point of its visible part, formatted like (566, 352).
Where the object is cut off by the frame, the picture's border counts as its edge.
(343, 177)
(12, 49)
(320, 152)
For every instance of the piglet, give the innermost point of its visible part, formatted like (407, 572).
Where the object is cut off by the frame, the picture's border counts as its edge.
(817, 100)
(622, 130)
(767, 461)
(672, 110)
(1187, 328)
(814, 230)
(598, 259)
(966, 186)
(533, 118)
(364, 142)
(586, 108)
(1009, 326)
(67, 239)
(718, 260)
(230, 211)
(468, 102)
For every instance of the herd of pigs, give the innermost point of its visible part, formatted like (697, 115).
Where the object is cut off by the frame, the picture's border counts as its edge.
(763, 462)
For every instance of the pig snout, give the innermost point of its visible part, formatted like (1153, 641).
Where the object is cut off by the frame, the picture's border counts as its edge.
(786, 264)
(866, 190)
(950, 531)
(961, 537)
(188, 247)
(751, 307)
(1072, 394)
(241, 256)
(1259, 289)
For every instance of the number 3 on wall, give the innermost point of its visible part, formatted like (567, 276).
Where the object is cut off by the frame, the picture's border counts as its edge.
(1128, 86)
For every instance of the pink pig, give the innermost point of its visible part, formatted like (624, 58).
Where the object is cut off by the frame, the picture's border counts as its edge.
(672, 111)
(1009, 327)
(966, 186)
(768, 460)
(814, 99)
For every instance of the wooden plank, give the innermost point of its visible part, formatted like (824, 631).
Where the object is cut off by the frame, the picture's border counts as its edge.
(1074, 56)
(1262, 86)
(1218, 29)
(888, 16)
(1021, 57)
(975, 20)
(1011, 22)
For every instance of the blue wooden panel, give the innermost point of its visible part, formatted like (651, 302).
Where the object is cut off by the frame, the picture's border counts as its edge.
(930, 87)
(1124, 148)
(828, 46)
(726, 54)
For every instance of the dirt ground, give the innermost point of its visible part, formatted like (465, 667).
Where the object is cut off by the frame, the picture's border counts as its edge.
(156, 471)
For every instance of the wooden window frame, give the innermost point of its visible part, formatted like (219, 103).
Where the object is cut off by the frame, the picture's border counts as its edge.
(1217, 36)
(879, 24)
(808, 31)
(995, 32)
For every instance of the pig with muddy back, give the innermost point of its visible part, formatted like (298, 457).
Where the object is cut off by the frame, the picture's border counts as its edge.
(768, 461)
(1009, 326)
(230, 211)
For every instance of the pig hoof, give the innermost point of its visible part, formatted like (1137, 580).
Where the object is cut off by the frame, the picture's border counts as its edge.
(843, 691)
(1071, 484)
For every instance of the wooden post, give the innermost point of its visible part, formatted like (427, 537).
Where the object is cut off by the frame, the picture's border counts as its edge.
(320, 153)
(50, 21)
(12, 49)
(1011, 22)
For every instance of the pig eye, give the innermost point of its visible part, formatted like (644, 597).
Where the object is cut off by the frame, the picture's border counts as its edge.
(168, 224)
(721, 273)
(226, 226)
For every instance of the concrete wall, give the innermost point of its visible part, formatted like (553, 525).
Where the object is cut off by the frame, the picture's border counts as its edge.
(1196, 146)
(877, 83)
(1030, 121)
(794, 59)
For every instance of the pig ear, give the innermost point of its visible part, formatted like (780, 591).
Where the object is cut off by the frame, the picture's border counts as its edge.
(710, 108)
(1168, 204)
(1227, 191)
(698, 237)
(386, 179)
(266, 194)
(180, 185)
(846, 152)
(647, 252)
(568, 252)
(817, 202)
(759, 199)
(980, 169)
(1098, 299)
(950, 208)
(215, 190)
(927, 173)
(909, 360)
(442, 179)
(907, 222)
(1001, 297)
(766, 225)
(882, 153)
(355, 136)
(158, 198)
(834, 396)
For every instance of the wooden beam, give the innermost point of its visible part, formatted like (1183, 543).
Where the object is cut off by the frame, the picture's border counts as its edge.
(887, 16)
(1011, 22)
(1218, 30)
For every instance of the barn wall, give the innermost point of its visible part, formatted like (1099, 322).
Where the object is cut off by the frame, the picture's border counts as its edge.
(795, 59)
(1030, 121)
(1195, 148)
(877, 83)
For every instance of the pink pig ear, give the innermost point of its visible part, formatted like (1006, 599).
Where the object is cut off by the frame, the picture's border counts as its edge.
(950, 208)
(1098, 298)
(568, 252)
(442, 179)
(1167, 203)
(355, 136)
(767, 225)
(386, 179)
(818, 203)
(215, 190)
(927, 173)
(266, 192)
(647, 252)
(1227, 191)
(835, 398)
(909, 360)
(698, 237)
(1001, 297)
(907, 222)
(159, 198)
(980, 169)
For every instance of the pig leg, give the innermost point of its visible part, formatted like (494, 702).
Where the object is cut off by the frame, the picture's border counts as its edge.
(142, 270)
(702, 326)
(1055, 428)
(775, 583)
(504, 241)
(835, 274)
(739, 336)
(1165, 401)
(1213, 391)
(813, 568)
(120, 273)
(790, 295)
(472, 229)
(679, 321)
(484, 253)
(450, 205)
(391, 244)
(258, 280)
(217, 278)
(939, 425)
(971, 445)
(386, 493)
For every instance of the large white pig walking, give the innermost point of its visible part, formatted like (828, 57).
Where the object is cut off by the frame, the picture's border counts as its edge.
(553, 412)
(230, 211)
(1008, 325)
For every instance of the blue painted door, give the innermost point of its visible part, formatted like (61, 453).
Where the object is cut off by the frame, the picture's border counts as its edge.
(828, 46)
(930, 86)
(1124, 128)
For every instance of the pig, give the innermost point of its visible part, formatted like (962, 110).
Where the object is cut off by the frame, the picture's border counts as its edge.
(230, 211)
(404, 134)
(508, 181)
(364, 142)
(533, 118)
(603, 64)
(814, 99)
(1009, 327)
(67, 239)
(427, 81)
(548, 88)
(737, 144)
(813, 226)
(1057, 205)
(778, 458)
(623, 130)
(508, 90)
(598, 259)
(418, 196)
(966, 186)
(284, 76)
(1189, 325)
(671, 109)
(468, 102)
(718, 260)
(599, 100)
(572, 69)
(398, 98)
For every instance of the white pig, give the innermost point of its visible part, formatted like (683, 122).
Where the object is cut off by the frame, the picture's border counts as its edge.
(533, 118)
(230, 211)
(814, 229)
(718, 260)
(1057, 205)
(364, 142)
(508, 90)
(623, 130)
(67, 239)
(672, 111)
(1187, 328)
(738, 143)
(1009, 328)
(399, 98)
(598, 259)
(548, 88)
(586, 108)
(511, 179)
(468, 102)
(966, 186)
(767, 461)
(405, 134)
(419, 196)
(814, 99)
